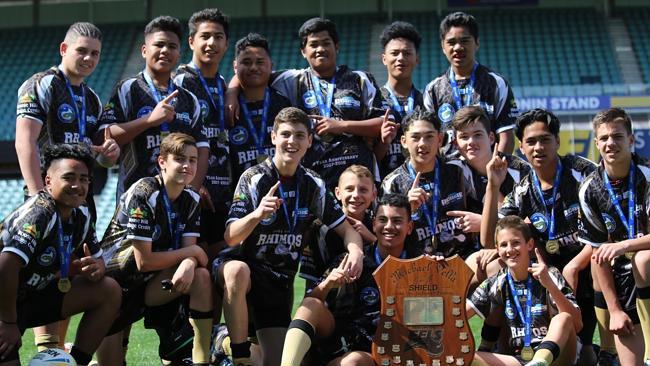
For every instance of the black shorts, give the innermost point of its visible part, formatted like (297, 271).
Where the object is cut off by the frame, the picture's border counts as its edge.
(132, 308)
(346, 338)
(213, 225)
(271, 294)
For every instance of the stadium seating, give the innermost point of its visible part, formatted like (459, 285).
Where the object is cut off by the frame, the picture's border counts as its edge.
(11, 195)
(638, 26)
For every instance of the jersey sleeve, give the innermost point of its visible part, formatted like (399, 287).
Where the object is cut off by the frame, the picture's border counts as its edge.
(193, 223)
(510, 205)
(507, 111)
(140, 218)
(592, 229)
(332, 214)
(114, 111)
(561, 283)
(32, 101)
(371, 95)
(198, 132)
(430, 102)
(25, 232)
(242, 201)
(480, 300)
(285, 83)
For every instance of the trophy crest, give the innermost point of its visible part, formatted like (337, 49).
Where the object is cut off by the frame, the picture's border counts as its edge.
(423, 320)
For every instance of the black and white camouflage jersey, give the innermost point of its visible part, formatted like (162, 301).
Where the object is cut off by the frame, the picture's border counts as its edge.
(491, 91)
(356, 97)
(395, 155)
(455, 193)
(131, 100)
(31, 233)
(242, 143)
(524, 202)
(45, 98)
(495, 293)
(141, 215)
(599, 223)
(272, 243)
(517, 169)
(217, 177)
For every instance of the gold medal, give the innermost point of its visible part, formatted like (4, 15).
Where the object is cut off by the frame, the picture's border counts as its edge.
(552, 246)
(261, 158)
(629, 255)
(527, 353)
(64, 285)
(222, 137)
(328, 137)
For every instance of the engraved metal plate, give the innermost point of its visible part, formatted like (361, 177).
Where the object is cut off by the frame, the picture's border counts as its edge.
(449, 359)
(388, 325)
(464, 348)
(390, 300)
(384, 336)
(455, 299)
(396, 348)
(455, 311)
(460, 323)
(462, 336)
(381, 350)
(390, 312)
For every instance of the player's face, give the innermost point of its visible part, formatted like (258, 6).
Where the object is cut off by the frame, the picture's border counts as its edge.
(391, 226)
(80, 56)
(291, 141)
(67, 181)
(179, 168)
(513, 249)
(209, 44)
(460, 47)
(474, 142)
(422, 141)
(253, 67)
(356, 193)
(400, 58)
(161, 51)
(320, 51)
(614, 142)
(539, 145)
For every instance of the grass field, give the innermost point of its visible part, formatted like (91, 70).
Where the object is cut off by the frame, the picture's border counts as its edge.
(143, 345)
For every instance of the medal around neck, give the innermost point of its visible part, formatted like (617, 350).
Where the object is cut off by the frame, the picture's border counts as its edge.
(64, 285)
(552, 246)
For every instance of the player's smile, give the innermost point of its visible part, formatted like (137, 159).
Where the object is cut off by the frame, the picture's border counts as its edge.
(209, 43)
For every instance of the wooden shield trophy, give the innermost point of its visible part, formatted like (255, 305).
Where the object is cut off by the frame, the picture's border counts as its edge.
(423, 320)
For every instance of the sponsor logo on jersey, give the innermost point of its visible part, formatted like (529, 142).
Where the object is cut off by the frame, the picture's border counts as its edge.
(302, 212)
(31, 229)
(510, 312)
(457, 196)
(205, 108)
(238, 135)
(369, 296)
(47, 257)
(184, 117)
(445, 113)
(109, 106)
(572, 210)
(538, 309)
(239, 198)
(65, 113)
(144, 111)
(309, 99)
(26, 98)
(539, 222)
(137, 213)
(269, 220)
(91, 119)
(347, 102)
(610, 224)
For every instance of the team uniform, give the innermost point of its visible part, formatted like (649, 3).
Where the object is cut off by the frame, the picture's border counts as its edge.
(32, 233)
(218, 176)
(133, 99)
(272, 251)
(141, 215)
(517, 169)
(495, 293)
(405, 105)
(455, 193)
(600, 223)
(489, 90)
(349, 95)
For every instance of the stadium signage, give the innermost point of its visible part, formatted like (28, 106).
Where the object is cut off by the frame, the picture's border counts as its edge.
(565, 104)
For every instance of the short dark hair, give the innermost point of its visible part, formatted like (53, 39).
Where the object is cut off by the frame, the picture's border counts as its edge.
(537, 115)
(613, 115)
(164, 23)
(394, 200)
(56, 152)
(420, 114)
(513, 222)
(252, 40)
(471, 115)
(292, 115)
(459, 19)
(400, 29)
(315, 25)
(83, 29)
(213, 15)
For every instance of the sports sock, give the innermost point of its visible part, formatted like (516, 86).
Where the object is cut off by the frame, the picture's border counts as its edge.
(240, 350)
(297, 342)
(201, 322)
(643, 309)
(607, 343)
(45, 341)
(547, 352)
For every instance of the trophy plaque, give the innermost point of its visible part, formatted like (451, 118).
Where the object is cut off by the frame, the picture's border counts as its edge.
(423, 320)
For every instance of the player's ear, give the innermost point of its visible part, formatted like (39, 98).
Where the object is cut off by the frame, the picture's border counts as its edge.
(63, 48)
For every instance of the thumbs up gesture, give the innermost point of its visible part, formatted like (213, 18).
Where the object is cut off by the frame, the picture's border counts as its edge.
(91, 268)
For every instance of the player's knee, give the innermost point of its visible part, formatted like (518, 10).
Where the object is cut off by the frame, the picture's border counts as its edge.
(356, 359)
(642, 264)
(562, 322)
(236, 276)
(201, 281)
(313, 304)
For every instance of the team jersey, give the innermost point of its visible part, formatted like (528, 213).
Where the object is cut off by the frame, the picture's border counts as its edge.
(455, 191)
(395, 155)
(217, 177)
(599, 222)
(491, 91)
(356, 97)
(31, 233)
(272, 243)
(45, 98)
(525, 202)
(517, 169)
(243, 148)
(141, 215)
(131, 100)
(495, 292)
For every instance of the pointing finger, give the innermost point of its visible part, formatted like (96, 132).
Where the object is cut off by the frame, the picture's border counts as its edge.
(171, 96)
(540, 259)
(386, 115)
(416, 182)
(273, 189)
(87, 250)
(107, 133)
(344, 261)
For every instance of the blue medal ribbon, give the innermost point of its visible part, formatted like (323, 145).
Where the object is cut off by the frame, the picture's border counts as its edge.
(629, 223)
(164, 127)
(292, 224)
(65, 249)
(173, 219)
(431, 214)
(81, 116)
(219, 107)
(468, 89)
(378, 258)
(551, 203)
(397, 106)
(325, 108)
(527, 317)
(258, 136)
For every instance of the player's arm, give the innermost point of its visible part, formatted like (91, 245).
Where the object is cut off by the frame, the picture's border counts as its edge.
(147, 260)
(10, 336)
(366, 128)
(497, 169)
(612, 250)
(238, 230)
(336, 278)
(575, 265)
(354, 245)
(27, 132)
(506, 142)
(201, 168)
(388, 132)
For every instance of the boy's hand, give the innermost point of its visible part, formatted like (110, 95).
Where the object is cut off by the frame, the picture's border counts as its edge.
(620, 323)
(269, 203)
(366, 235)
(183, 277)
(354, 265)
(325, 125)
(91, 268)
(338, 276)
(164, 111)
(497, 169)
(109, 150)
(10, 338)
(607, 252)
(417, 196)
(388, 129)
(469, 222)
(539, 271)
